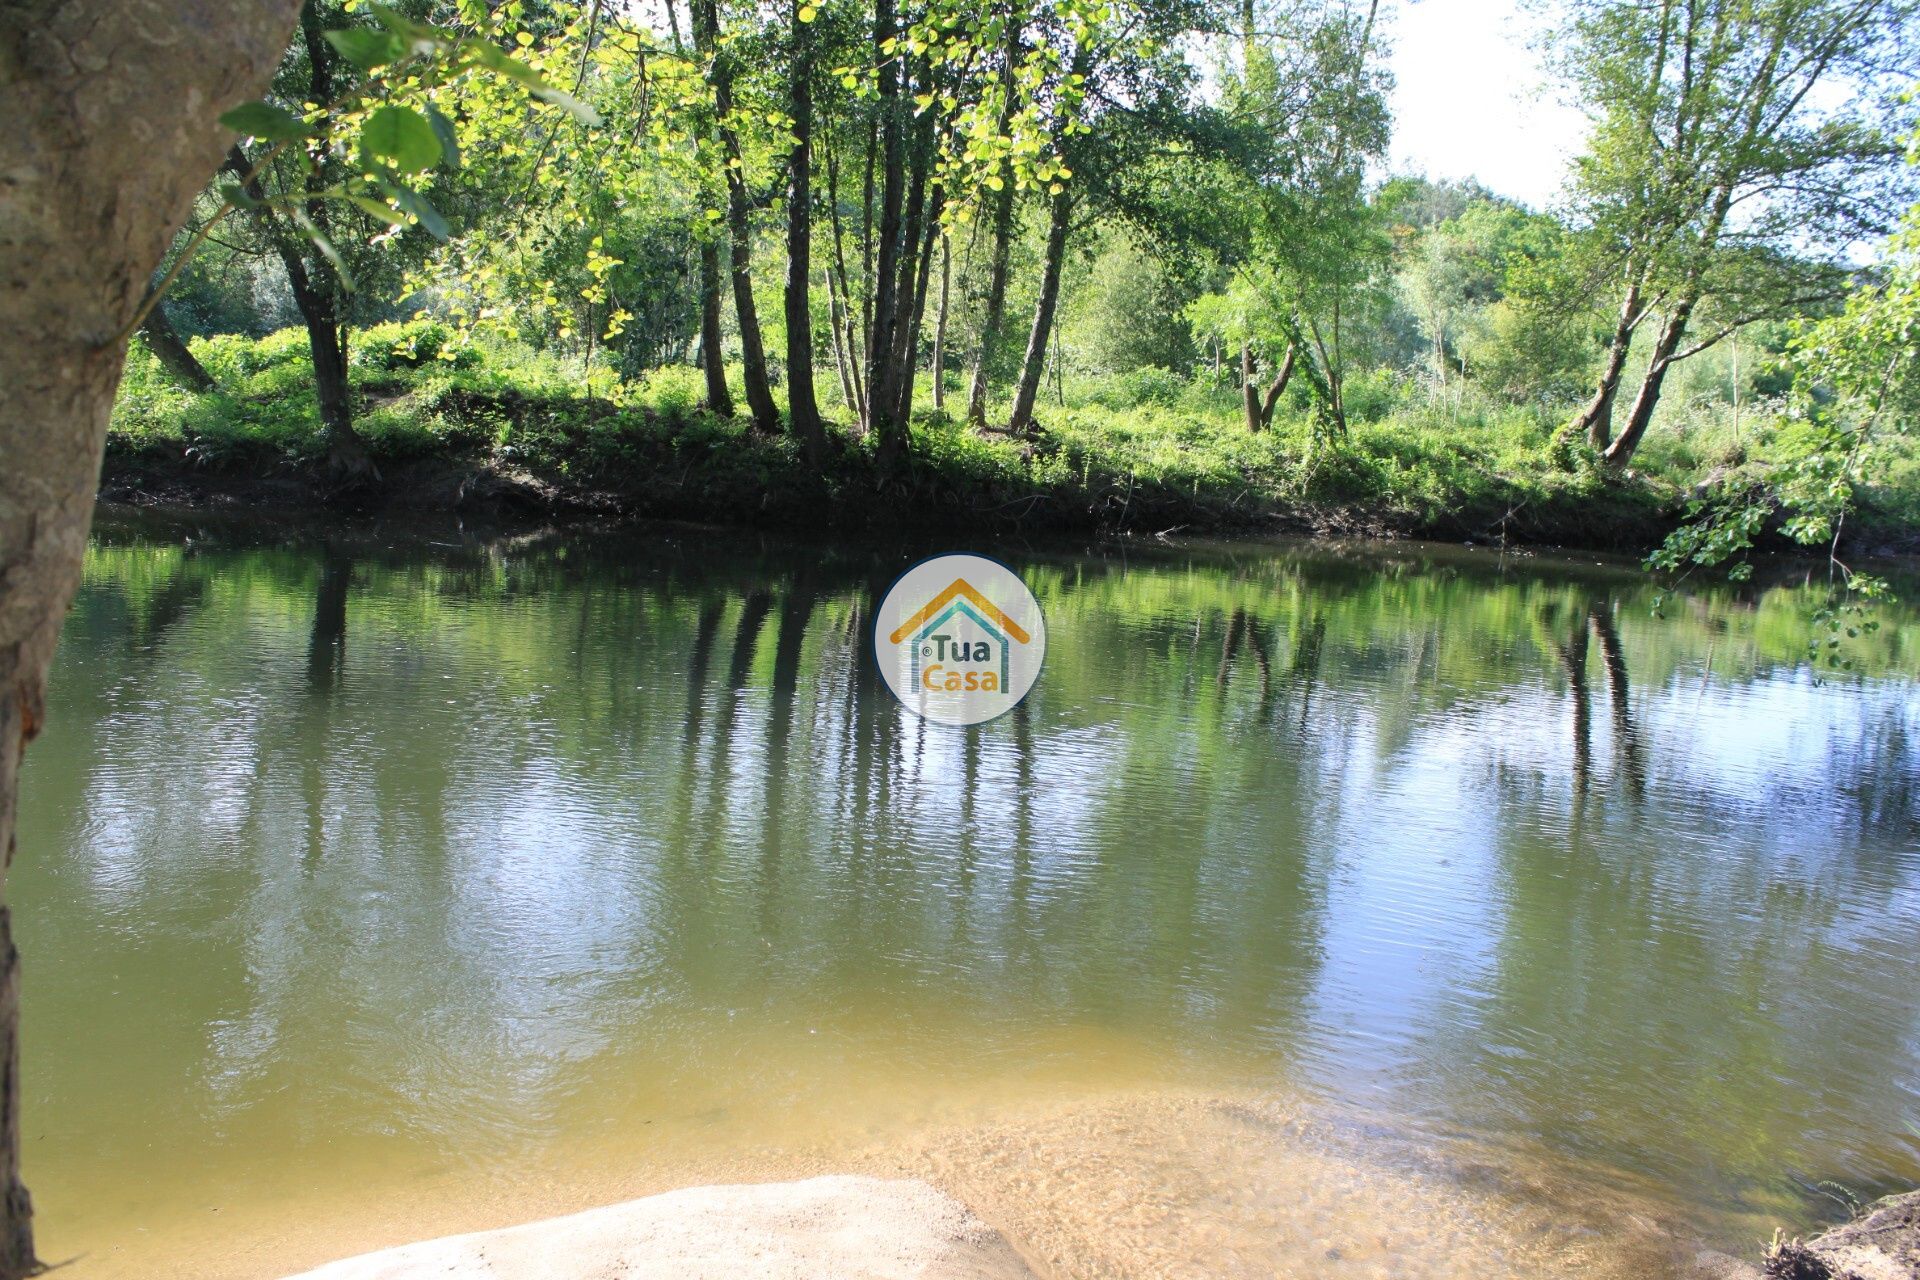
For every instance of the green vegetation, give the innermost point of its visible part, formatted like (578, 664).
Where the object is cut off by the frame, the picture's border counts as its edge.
(1143, 451)
(1058, 263)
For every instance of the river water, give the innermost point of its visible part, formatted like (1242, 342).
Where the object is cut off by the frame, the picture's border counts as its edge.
(1326, 910)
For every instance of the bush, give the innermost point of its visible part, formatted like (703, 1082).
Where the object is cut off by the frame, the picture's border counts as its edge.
(410, 344)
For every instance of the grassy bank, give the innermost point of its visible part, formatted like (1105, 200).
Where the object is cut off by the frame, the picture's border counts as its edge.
(457, 425)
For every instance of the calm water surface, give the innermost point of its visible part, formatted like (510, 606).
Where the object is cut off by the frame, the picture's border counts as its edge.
(377, 885)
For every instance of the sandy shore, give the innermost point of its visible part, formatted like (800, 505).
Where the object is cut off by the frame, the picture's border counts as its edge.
(846, 1227)
(1164, 1186)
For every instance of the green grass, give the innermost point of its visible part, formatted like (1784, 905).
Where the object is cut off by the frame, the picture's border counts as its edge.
(1144, 451)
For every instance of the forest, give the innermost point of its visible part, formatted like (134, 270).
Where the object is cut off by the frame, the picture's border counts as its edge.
(1135, 266)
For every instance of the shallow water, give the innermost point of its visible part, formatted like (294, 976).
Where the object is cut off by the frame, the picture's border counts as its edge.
(1318, 901)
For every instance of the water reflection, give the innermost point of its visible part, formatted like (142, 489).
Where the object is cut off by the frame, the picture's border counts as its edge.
(380, 853)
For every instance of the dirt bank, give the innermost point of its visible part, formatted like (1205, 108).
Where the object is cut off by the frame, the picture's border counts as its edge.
(1882, 1244)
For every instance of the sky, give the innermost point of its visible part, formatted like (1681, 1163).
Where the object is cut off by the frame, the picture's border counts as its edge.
(1471, 99)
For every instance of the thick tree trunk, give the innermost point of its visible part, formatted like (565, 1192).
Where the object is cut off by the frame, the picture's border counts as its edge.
(1595, 420)
(1059, 214)
(101, 170)
(713, 359)
(172, 353)
(803, 408)
(753, 354)
(1620, 452)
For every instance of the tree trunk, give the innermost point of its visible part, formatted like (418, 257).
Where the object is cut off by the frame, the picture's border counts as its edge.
(996, 306)
(1595, 421)
(922, 263)
(753, 354)
(1278, 387)
(890, 393)
(713, 359)
(940, 327)
(884, 278)
(1620, 452)
(316, 302)
(101, 170)
(1059, 213)
(172, 353)
(1249, 394)
(803, 408)
(842, 363)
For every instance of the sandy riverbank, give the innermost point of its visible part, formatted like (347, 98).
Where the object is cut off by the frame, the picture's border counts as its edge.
(846, 1227)
(1140, 1185)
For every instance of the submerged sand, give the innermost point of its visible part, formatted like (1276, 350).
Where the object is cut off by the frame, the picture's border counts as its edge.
(1135, 1186)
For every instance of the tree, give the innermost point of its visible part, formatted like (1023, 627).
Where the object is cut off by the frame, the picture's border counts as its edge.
(803, 410)
(1722, 184)
(102, 170)
(720, 74)
(1316, 244)
(172, 352)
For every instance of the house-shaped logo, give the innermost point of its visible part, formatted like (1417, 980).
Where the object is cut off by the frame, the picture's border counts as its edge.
(931, 647)
(959, 639)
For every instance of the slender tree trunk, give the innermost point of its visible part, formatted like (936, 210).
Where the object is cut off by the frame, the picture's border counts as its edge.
(841, 364)
(940, 327)
(1059, 214)
(111, 132)
(1595, 421)
(803, 409)
(1278, 387)
(1620, 452)
(890, 391)
(316, 303)
(885, 276)
(713, 358)
(846, 344)
(996, 303)
(172, 353)
(1249, 394)
(923, 275)
(753, 355)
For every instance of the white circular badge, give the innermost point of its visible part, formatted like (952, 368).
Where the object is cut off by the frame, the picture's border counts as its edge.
(959, 639)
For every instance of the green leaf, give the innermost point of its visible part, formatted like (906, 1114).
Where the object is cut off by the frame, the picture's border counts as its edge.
(265, 121)
(807, 12)
(364, 48)
(324, 245)
(400, 138)
(494, 58)
(379, 209)
(236, 195)
(567, 102)
(413, 202)
(443, 130)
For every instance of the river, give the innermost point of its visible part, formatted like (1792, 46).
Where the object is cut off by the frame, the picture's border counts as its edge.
(1357, 909)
